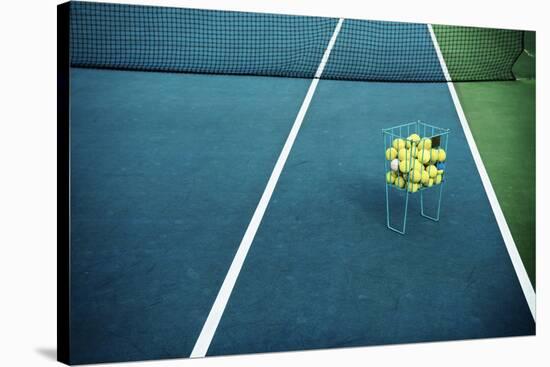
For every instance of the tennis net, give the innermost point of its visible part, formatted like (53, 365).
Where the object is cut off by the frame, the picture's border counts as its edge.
(152, 38)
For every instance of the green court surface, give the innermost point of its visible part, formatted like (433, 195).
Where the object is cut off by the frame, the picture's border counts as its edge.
(501, 116)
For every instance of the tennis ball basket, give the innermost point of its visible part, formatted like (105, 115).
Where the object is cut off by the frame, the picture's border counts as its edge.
(415, 164)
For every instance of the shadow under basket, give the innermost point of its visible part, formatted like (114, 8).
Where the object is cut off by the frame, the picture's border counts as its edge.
(415, 163)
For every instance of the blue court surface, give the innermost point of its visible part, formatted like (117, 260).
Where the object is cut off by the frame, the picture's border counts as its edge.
(169, 173)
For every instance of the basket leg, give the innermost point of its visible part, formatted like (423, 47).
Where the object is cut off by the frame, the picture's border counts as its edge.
(388, 212)
(435, 217)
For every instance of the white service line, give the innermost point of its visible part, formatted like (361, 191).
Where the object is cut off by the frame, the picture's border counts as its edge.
(524, 281)
(209, 328)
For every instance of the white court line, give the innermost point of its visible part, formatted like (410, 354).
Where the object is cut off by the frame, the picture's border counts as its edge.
(209, 328)
(524, 281)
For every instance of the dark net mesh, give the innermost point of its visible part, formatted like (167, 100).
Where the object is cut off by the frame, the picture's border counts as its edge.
(151, 38)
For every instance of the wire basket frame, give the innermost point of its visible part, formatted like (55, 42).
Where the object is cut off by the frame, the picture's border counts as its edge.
(415, 161)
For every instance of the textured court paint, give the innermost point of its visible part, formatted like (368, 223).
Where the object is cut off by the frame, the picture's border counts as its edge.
(501, 116)
(323, 274)
(209, 329)
(166, 172)
(325, 271)
(515, 258)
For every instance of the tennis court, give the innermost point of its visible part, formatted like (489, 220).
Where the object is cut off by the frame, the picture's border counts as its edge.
(234, 203)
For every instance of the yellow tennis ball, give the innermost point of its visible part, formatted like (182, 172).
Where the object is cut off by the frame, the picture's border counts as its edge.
(416, 176)
(432, 170)
(417, 165)
(402, 154)
(398, 144)
(415, 138)
(425, 144)
(423, 155)
(405, 166)
(425, 178)
(440, 172)
(442, 155)
(391, 153)
(434, 155)
(409, 144)
(438, 179)
(412, 187)
(390, 177)
(430, 182)
(411, 153)
(400, 182)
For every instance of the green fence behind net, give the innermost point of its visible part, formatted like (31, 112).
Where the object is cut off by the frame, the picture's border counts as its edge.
(150, 38)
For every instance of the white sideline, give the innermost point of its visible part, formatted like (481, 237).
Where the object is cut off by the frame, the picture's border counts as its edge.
(524, 281)
(209, 328)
